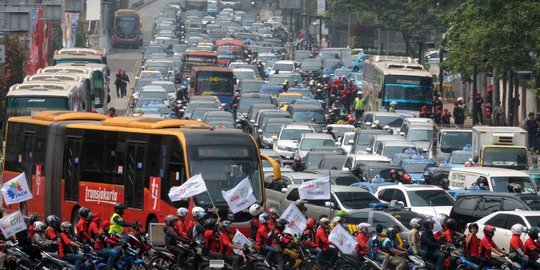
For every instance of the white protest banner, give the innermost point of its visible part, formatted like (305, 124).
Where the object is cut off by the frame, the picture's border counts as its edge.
(240, 197)
(12, 224)
(318, 189)
(297, 221)
(16, 190)
(240, 240)
(342, 240)
(193, 186)
(437, 226)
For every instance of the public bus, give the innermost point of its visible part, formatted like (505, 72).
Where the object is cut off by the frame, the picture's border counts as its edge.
(213, 81)
(87, 159)
(197, 58)
(88, 55)
(95, 75)
(399, 79)
(127, 29)
(229, 50)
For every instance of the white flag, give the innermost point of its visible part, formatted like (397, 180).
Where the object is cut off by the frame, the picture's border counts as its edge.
(437, 226)
(240, 240)
(12, 224)
(16, 190)
(318, 189)
(297, 221)
(193, 186)
(342, 240)
(240, 197)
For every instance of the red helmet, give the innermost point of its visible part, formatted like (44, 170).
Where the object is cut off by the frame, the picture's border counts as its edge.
(310, 223)
(406, 178)
(489, 231)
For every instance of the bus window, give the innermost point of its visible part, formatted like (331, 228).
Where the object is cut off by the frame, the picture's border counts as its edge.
(134, 174)
(72, 161)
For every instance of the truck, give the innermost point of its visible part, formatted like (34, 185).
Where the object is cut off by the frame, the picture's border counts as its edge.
(503, 147)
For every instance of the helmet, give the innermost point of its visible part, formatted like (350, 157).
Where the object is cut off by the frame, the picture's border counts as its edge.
(442, 218)
(255, 209)
(105, 224)
(428, 222)
(489, 231)
(32, 218)
(393, 104)
(392, 171)
(427, 174)
(445, 181)
(210, 224)
(450, 223)
(533, 233)
(52, 220)
(170, 220)
(342, 214)
(363, 225)
(65, 225)
(200, 215)
(281, 223)
(518, 229)
(196, 210)
(295, 81)
(183, 87)
(515, 188)
(337, 220)
(482, 181)
(324, 222)
(226, 225)
(264, 217)
(415, 222)
(310, 223)
(182, 211)
(392, 231)
(39, 226)
(473, 225)
(460, 99)
(284, 83)
(274, 213)
(119, 207)
(84, 211)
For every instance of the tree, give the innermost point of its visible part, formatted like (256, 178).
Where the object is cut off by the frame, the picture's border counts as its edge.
(12, 71)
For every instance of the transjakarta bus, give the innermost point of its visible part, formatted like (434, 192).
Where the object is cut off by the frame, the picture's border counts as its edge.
(88, 55)
(213, 81)
(197, 58)
(127, 29)
(86, 159)
(391, 78)
(229, 50)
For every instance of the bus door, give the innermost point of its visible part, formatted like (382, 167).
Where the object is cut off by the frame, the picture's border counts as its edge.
(135, 174)
(72, 166)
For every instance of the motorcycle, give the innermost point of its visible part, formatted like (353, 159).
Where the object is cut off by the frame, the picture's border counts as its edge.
(16, 258)
(347, 262)
(129, 259)
(413, 263)
(164, 259)
(51, 261)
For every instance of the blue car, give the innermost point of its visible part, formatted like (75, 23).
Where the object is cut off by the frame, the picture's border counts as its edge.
(358, 63)
(416, 167)
(456, 193)
(271, 89)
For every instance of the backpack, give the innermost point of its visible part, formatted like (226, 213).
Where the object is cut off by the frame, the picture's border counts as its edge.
(374, 244)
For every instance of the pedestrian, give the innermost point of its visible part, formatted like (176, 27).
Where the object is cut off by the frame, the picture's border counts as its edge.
(497, 113)
(359, 105)
(489, 98)
(477, 112)
(459, 112)
(424, 113)
(437, 101)
(125, 82)
(112, 112)
(437, 116)
(445, 119)
(532, 130)
(118, 82)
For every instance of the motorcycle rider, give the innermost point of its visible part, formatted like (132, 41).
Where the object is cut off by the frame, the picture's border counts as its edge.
(40, 238)
(181, 226)
(226, 245)
(414, 238)
(82, 226)
(516, 245)
(432, 247)
(274, 216)
(255, 210)
(450, 225)
(427, 177)
(532, 247)
(487, 246)
(282, 241)
(53, 226)
(308, 238)
(261, 240)
(105, 244)
(211, 239)
(392, 107)
(173, 238)
(362, 240)
(67, 246)
(322, 241)
(94, 226)
(391, 247)
(118, 223)
(197, 232)
(471, 246)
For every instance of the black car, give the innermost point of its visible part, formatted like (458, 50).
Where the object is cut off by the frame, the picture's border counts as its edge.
(472, 207)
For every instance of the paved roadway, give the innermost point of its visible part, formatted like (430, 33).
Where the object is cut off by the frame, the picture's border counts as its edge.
(130, 59)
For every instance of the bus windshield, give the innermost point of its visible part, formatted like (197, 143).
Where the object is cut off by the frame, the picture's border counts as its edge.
(216, 83)
(222, 168)
(410, 92)
(24, 106)
(455, 140)
(127, 25)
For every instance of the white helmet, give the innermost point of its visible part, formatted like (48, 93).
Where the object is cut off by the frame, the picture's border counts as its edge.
(363, 225)
(255, 209)
(336, 220)
(182, 211)
(196, 210)
(518, 229)
(415, 222)
(393, 104)
(460, 99)
(39, 226)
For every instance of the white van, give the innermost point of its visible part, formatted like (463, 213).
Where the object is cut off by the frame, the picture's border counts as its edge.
(498, 178)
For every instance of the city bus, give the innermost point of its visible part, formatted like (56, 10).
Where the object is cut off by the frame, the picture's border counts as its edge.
(229, 50)
(399, 79)
(88, 55)
(213, 81)
(197, 58)
(94, 74)
(126, 29)
(86, 159)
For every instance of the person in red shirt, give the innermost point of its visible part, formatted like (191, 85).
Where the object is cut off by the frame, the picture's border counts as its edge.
(82, 226)
(105, 243)
(211, 238)
(322, 241)
(308, 238)
(362, 239)
(226, 245)
(93, 228)
(487, 246)
(274, 216)
(29, 220)
(472, 246)
(262, 242)
(255, 210)
(532, 247)
(181, 225)
(53, 226)
(67, 246)
(282, 241)
(516, 245)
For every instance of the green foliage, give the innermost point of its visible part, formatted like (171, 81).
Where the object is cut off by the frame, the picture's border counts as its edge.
(81, 38)
(12, 71)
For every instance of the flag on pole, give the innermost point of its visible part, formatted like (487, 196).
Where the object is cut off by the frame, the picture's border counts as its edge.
(342, 240)
(193, 186)
(297, 221)
(16, 190)
(12, 224)
(240, 240)
(240, 197)
(318, 189)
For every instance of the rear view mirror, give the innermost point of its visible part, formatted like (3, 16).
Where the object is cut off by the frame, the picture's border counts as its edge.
(350, 141)
(329, 204)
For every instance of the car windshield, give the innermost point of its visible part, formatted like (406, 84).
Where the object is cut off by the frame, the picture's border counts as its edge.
(154, 95)
(460, 157)
(420, 135)
(392, 121)
(418, 167)
(347, 138)
(308, 144)
(500, 183)
(356, 200)
(332, 64)
(390, 150)
(279, 80)
(309, 117)
(168, 87)
(311, 63)
(288, 98)
(333, 162)
(240, 75)
(272, 127)
(245, 103)
(193, 106)
(283, 67)
(363, 138)
(430, 198)
(251, 87)
(293, 134)
(455, 140)
(532, 201)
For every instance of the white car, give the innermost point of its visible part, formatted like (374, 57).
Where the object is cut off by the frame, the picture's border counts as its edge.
(424, 199)
(503, 221)
(347, 141)
(354, 159)
(284, 66)
(311, 140)
(287, 140)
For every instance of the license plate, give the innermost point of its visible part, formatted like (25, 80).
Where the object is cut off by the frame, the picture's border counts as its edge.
(217, 263)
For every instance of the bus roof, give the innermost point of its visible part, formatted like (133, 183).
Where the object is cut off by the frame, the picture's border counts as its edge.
(41, 86)
(81, 51)
(77, 67)
(154, 123)
(60, 76)
(200, 53)
(398, 65)
(208, 68)
(229, 41)
(54, 116)
(38, 92)
(126, 11)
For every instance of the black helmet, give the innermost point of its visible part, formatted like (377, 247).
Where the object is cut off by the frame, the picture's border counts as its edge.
(120, 207)
(533, 233)
(473, 225)
(281, 223)
(84, 211)
(210, 224)
(170, 220)
(427, 174)
(428, 222)
(514, 188)
(226, 225)
(451, 223)
(392, 231)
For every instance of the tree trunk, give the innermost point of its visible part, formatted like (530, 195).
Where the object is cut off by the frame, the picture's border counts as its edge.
(496, 87)
(523, 101)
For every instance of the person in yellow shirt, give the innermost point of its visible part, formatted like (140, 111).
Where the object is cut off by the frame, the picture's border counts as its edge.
(118, 223)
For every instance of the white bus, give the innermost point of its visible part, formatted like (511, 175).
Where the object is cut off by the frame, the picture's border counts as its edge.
(399, 79)
(89, 55)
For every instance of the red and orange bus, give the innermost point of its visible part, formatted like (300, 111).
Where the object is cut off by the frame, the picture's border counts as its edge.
(229, 50)
(197, 58)
(75, 159)
(126, 29)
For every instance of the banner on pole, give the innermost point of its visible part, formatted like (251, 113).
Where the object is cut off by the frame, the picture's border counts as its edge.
(297, 221)
(193, 186)
(12, 224)
(342, 240)
(16, 190)
(240, 197)
(240, 240)
(318, 189)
